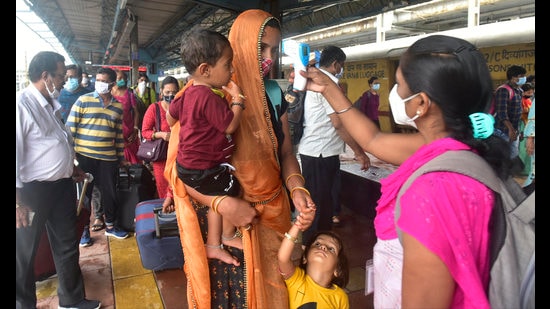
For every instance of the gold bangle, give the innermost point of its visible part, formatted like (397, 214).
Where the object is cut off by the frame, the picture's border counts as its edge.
(295, 174)
(214, 201)
(242, 96)
(291, 238)
(218, 203)
(298, 188)
(153, 136)
(344, 110)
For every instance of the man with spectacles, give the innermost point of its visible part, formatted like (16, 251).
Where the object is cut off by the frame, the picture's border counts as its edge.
(45, 193)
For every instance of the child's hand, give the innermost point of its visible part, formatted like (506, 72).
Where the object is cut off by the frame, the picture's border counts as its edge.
(233, 90)
(305, 218)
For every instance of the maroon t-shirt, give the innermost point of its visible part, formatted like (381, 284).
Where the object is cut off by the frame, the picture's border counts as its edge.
(204, 116)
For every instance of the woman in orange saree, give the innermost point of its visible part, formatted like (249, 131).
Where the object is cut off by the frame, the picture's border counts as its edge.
(267, 169)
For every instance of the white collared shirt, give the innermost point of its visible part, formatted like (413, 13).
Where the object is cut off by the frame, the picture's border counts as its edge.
(43, 145)
(320, 136)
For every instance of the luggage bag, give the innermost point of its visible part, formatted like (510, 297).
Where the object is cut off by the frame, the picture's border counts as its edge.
(135, 184)
(157, 252)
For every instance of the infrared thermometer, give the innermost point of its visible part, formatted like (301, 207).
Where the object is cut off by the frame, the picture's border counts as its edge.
(299, 52)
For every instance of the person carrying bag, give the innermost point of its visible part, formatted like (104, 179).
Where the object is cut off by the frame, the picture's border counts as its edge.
(155, 149)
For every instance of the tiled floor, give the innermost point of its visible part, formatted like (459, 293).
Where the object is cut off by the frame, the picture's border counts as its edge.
(113, 272)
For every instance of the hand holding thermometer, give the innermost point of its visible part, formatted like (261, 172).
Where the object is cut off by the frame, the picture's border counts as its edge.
(299, 52)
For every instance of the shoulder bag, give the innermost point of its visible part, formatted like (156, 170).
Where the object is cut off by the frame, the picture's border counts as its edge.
(153, 150)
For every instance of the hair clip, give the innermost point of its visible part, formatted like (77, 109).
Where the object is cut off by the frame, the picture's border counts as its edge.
(483, 125)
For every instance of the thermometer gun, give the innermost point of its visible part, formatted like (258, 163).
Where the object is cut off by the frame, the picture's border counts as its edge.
(299, 52)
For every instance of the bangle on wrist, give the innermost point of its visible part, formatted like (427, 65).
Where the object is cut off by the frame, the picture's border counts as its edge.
(294, 174)
(291, 238)
(298, 188)
(238, 103)
(136, 128)
(344, 110)
(242, 96)
(218, 201)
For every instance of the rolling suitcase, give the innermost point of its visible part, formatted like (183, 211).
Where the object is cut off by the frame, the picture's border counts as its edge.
(135, 184)
(44, 266)
(157, 237)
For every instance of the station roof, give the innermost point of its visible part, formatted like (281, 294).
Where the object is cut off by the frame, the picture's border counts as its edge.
(97, 32)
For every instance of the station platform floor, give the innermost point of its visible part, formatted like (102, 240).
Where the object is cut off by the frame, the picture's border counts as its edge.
(113, 272)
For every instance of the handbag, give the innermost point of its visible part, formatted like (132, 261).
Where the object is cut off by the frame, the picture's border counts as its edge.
(153, 150)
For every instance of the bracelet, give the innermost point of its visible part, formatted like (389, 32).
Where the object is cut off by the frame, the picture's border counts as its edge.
(291, 238)
(242, 96)
(298, 188)
(281, 272)
(153, 136)
(214, 246)
(238, 103)
(344, 110)
(136, 128)
(295, 174)
(214, 201)
(218, 201)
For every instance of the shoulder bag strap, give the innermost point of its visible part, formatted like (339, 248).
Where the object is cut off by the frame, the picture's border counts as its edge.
(157, 122)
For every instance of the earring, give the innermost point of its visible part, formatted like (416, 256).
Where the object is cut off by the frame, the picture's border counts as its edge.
(418, 113)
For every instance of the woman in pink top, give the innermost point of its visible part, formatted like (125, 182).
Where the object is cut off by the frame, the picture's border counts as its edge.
(130, 116)
(443, 258)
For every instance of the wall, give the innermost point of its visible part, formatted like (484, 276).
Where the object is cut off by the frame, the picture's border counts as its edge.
(499, 59)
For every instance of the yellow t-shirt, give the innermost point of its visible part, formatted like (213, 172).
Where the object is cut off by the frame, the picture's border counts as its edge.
(303, 290)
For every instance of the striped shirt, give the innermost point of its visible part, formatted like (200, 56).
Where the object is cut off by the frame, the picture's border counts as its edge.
(97, 129)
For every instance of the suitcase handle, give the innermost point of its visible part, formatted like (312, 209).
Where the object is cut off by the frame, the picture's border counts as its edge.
(89, 178)
(158, 215)
(124, 171)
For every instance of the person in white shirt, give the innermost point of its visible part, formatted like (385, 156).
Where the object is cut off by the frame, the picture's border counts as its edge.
(322, 143)
(45, 192)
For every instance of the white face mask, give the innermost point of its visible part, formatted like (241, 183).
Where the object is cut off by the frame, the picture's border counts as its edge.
(53, 94)
(101, 87)
(85, 81)
(398, 109)
(141, 87)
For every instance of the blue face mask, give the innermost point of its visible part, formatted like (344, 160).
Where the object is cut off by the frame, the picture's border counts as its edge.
(521, 80)
(71, 84)
(121, 83)
(339, 74)
(376, 87)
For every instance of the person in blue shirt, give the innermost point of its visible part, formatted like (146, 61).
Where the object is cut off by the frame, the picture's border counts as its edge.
(72, 90)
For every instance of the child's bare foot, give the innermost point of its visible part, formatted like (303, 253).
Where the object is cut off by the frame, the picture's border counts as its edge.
(234, 241)
(219, 253)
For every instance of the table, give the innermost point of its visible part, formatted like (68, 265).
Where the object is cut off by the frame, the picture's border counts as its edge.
(361, 189)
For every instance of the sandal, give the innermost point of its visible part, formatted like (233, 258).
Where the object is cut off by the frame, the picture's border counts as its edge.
(98, 225)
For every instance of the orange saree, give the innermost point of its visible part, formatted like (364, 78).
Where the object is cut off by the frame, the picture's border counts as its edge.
(259, 172)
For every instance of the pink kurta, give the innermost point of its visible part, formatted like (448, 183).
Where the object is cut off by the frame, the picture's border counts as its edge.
(449, 214)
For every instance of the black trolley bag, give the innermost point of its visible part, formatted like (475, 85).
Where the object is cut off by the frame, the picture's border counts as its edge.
(135, 184)
(157, 236)
(44, 266)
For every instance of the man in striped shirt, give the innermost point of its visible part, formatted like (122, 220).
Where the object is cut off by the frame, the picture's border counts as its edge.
(95, 122)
